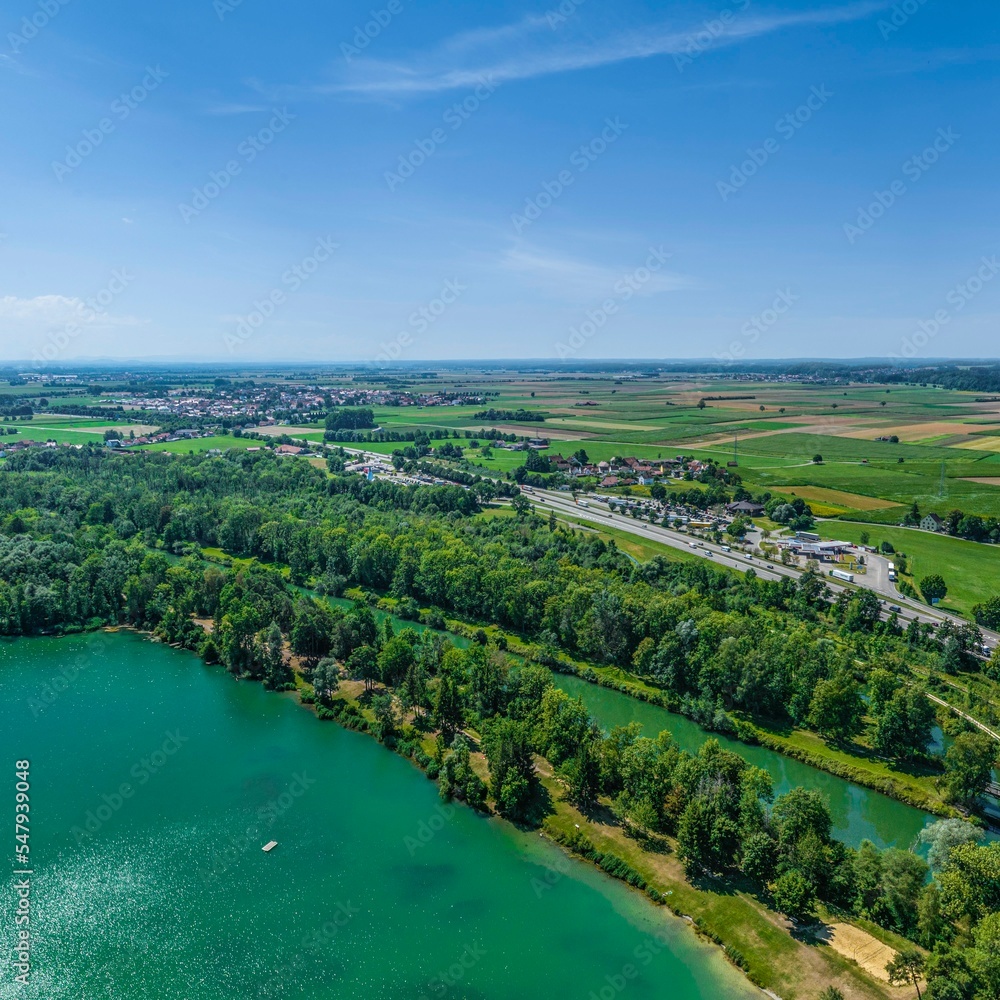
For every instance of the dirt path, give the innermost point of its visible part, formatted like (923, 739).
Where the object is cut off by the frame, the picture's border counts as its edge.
(968, 718)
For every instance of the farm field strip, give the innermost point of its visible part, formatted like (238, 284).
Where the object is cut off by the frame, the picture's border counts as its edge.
(68, 435)
(840, 498)
(982, 444)
(911, 432)
(276, 430)
(950, 443)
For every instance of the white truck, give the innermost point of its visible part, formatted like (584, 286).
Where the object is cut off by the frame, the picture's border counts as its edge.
(839, 574)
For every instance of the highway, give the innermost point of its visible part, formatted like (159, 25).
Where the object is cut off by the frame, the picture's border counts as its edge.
(598, 514)
(876, 580)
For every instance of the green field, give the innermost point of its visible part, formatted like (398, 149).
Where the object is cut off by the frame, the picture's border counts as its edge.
(313, 436)
(636, 546)
(42, 432)
(196, 445)
(58, 420)
(62, 429)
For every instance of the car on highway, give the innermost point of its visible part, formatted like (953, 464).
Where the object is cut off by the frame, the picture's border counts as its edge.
(895, 607)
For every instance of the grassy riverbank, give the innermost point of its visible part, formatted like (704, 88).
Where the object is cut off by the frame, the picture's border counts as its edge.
(917, 787)
(773, 953)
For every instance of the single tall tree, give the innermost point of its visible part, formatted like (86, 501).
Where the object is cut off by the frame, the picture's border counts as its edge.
(907, 968)
(325, 678)
(449, 712)
(967, 766)
(933, 588)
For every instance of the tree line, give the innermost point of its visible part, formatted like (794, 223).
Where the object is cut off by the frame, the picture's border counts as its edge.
(722, 647)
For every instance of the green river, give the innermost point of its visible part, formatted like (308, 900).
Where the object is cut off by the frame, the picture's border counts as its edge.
(154, 783)
(858, 813)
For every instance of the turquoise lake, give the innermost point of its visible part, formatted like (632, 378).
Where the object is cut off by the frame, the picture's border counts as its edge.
(156, 780)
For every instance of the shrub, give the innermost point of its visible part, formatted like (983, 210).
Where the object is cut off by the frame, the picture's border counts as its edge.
(794, 895)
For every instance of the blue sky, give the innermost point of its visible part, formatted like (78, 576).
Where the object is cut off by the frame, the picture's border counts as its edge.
(242, 180)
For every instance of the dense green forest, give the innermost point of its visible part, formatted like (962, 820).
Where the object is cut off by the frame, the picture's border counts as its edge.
(86, 540)
(81, 531)
(89, 538)
(982, 378)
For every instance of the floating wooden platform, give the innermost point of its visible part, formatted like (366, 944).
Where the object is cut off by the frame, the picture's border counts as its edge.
(269, 846)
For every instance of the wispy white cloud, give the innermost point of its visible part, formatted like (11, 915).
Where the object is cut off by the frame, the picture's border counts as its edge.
(529, 48)
(567, 277)
(50, 312)
(475, 38)
(15, 65)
